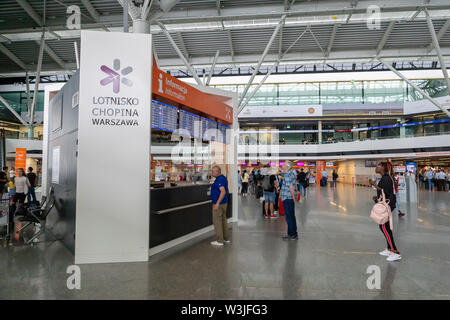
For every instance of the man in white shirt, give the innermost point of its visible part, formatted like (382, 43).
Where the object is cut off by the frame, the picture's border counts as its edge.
(430, 175)
(440, 179)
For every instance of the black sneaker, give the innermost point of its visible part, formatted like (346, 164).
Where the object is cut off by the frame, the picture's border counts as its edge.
(289, 238)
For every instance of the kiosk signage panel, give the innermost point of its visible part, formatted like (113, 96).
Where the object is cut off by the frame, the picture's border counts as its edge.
(113, 136)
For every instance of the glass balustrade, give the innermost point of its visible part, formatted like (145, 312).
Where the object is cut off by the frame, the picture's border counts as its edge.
(339, 92)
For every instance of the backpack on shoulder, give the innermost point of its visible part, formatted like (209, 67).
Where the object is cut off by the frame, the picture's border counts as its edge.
(381, 211)
(266, 183)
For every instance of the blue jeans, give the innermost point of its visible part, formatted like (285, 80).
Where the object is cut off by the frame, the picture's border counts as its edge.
(31, 194)
(300, 187)
(269, 197)
(430, 184)
(397, 204)
(289, 213)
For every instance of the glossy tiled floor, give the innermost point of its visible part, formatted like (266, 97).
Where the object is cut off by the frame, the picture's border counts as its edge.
(337, 243)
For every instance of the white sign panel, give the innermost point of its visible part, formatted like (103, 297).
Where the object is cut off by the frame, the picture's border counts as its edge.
(281, 111)
(425, 105)
(55, 164)
(112, 221)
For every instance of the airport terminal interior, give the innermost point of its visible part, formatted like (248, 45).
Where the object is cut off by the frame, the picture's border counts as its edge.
(225, 149)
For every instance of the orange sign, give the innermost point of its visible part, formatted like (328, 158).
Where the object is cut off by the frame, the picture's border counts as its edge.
(320, 166)
(21, 159)
(176, 90)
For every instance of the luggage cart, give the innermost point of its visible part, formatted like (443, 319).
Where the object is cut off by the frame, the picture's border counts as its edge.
(4, 221)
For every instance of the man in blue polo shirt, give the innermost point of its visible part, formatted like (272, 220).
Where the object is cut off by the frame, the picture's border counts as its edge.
(287, 194)
(219, 198)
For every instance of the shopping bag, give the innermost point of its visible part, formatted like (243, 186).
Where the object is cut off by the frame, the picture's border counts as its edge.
(280, 207)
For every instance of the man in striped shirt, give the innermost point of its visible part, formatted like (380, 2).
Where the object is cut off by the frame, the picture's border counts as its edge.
(288, 197)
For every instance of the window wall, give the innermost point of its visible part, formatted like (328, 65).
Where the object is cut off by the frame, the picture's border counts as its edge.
(339, 92)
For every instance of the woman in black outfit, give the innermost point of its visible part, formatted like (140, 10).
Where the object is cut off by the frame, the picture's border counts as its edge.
(387, 185)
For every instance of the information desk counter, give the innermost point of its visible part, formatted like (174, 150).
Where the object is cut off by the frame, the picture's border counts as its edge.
(178, 211)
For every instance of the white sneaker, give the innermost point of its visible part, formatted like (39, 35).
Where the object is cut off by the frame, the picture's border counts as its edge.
(216, 243)
(394, 257)
(226, 241)
(385, 253)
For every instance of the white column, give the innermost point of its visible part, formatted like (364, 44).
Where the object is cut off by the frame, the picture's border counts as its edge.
(319, 127)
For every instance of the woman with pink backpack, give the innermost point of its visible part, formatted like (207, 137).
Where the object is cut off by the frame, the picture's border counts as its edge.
(382, 211)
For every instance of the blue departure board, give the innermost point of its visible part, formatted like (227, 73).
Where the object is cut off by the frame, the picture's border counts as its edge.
(209, 129)
(223, 129)
(191, 123)
(164, 117)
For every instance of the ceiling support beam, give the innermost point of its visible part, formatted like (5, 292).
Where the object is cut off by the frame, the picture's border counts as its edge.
(155, 54)
(5, 39)
(90, 8)
(182, 45)
(12, 56)
(440, 34)
(272, 69)
(331, 42)
(280, 43)
(433, 101)
(384, 38)
(8, 106)
(230, 43)
(53, 55)
(31, 12)
(180, 54)
(133, 11)
(219, 11)
(211, 71)
(437, 48)
(261, 59)
(38, 78)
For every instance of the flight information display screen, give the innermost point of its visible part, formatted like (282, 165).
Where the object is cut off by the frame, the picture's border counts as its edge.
(164, 117)
(223, 129)
(209, 129)
(191, 123)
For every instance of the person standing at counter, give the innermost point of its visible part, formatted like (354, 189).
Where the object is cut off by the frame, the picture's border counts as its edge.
(219, 198)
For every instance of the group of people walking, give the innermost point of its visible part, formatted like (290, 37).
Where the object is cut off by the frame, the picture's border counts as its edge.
(438, 180)
(19, 187)
(286, 183)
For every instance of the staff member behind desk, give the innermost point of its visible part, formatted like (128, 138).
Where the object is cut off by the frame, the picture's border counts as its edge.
(288, 197)
(219, 198)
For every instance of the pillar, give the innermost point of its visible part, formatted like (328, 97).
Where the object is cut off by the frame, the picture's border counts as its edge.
(141, 26)
(319, 134)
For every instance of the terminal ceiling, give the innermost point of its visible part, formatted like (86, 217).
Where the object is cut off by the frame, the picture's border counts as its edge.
(239, 29)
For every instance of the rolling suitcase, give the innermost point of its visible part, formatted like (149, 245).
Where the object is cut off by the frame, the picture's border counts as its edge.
(259, 192)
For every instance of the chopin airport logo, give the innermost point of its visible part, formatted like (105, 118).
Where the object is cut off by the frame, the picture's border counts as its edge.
(115, 77)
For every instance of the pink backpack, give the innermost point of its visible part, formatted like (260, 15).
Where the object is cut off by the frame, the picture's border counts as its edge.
(381, 211)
